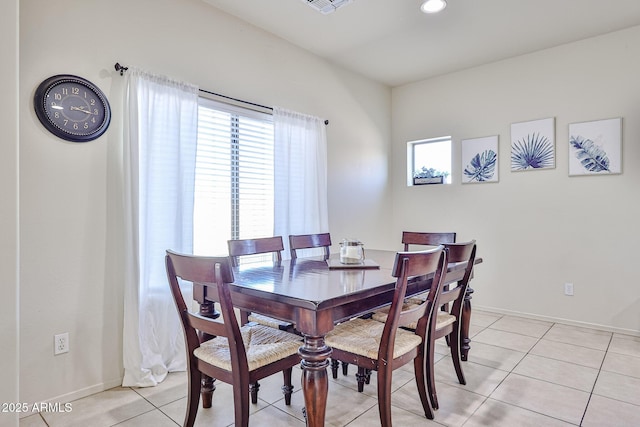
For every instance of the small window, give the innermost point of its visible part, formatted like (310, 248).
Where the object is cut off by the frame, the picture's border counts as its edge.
(429, 161)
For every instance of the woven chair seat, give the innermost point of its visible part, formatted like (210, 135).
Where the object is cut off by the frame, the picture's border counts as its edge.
(442, 320)
(362, 336)
(263, 345)
(261, 319)
(415, 300)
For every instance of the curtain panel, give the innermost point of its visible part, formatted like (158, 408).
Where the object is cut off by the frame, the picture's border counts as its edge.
(160, 138)
(300, 181)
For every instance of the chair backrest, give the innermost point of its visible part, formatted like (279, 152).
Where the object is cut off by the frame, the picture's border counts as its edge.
(306, 241)
(426, 238)
(459, 252)
(210, 271)
(255, 246)
(431, 263)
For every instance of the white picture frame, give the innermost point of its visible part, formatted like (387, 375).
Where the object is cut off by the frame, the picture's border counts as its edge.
(533, 145)
(480, 160)
(595, 147)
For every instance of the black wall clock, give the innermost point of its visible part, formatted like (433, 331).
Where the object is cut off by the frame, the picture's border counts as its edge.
(72, 108)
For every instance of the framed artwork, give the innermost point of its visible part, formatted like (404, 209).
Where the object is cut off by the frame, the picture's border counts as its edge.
(480, 160)
(533, 145)
(595, 148)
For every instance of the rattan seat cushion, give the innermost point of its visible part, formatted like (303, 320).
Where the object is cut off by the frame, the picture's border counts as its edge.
(362, 336)
(442, 320)
(269, 321)
(263, 345)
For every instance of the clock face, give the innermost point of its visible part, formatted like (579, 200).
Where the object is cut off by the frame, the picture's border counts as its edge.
(72, 108)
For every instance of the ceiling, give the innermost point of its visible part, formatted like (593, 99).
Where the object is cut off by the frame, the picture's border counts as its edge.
(392, 42)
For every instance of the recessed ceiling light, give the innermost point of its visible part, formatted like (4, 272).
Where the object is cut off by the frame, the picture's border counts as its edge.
(433, 6)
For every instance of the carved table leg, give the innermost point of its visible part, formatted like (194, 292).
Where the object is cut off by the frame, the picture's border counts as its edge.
(315, 383)
(208, 386)
(464, 327)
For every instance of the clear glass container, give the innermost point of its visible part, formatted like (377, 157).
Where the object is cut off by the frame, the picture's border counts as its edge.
(351, 251)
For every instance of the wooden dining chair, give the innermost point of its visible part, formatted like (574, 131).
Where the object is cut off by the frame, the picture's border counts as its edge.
(447, 323)
(426, 238)
(384, 347)
(307, 241)
(262, 245)
(239, 356)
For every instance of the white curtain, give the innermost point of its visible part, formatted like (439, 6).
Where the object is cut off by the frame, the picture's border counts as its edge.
(300, 159)
(160, 135)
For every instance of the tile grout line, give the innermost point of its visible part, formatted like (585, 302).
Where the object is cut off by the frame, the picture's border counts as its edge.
(596, 380)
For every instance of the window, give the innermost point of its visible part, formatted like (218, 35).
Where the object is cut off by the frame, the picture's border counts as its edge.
(234, 176)
(429, 161)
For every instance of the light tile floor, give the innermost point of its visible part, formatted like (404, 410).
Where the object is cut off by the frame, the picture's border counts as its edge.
(520, 372)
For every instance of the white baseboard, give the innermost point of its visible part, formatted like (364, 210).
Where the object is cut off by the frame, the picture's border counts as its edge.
(558, 320)
(79, 394)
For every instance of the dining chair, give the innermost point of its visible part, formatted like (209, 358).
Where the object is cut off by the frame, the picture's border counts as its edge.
(384, 347)
(307, 241)
(264, 245)
(426, 238)
(447, 323)
(236, 355)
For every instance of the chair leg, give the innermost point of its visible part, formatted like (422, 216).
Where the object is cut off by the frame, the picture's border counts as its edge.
(207, 387)
(241, 402)
(419, 371)
(287, 388)
(345, 368)
(361, 377)
(430, 373)
(334, 368)
(455, 355)
(384, 394)
(193, 398)
(253, 389)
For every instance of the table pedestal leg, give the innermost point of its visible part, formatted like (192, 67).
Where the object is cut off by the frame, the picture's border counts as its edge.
(315, 383)
(464, 327)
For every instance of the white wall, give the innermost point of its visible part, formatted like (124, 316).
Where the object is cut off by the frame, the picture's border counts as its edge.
(535, 230)
(71, 229)
(9, 209)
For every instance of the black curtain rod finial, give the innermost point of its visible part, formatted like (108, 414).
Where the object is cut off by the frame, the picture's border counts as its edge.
(120, 68)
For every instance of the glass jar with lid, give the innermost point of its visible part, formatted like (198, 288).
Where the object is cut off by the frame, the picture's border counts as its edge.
(351, 251)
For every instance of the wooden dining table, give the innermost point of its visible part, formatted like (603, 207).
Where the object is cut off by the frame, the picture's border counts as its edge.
(313, 296)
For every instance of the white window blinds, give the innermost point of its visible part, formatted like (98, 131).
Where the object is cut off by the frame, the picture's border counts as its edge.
(234, 176)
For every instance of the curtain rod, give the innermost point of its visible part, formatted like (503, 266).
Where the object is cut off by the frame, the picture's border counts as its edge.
(122, 69)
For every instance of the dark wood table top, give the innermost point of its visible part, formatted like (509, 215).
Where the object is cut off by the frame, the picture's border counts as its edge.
(287, 289)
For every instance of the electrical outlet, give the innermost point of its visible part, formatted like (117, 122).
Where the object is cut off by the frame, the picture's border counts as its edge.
(61, 343)
(568, 289)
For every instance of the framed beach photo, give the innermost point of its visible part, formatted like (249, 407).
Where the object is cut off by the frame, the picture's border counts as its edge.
(479, 160)
(595, 148)
(533, 145)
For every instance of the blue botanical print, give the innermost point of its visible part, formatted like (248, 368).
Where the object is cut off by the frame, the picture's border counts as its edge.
(482, 166)
(592, 157)
(532, 152)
